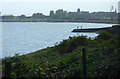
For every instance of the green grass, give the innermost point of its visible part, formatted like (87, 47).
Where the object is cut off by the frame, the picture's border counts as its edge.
(65, 59)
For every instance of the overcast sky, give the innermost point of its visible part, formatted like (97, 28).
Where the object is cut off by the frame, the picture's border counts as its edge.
(28, 7)
(59, 0)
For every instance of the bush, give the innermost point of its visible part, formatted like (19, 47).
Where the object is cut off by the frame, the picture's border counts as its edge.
(105, 36)
(71, 44)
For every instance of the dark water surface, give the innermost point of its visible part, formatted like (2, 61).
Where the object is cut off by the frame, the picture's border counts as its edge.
(26, 37)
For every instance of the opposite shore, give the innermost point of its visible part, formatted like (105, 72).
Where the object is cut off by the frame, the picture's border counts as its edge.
(112, 23)
(63, 16)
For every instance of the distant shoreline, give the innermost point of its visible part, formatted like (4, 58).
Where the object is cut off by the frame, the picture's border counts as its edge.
(64, 22)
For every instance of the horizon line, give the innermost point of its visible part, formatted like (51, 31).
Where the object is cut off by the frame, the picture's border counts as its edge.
(54, 11)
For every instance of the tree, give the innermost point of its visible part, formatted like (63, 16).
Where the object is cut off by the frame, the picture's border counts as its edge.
(38, 15)
(22, 16)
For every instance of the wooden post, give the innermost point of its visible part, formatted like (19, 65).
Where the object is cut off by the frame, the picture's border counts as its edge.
(84, 63)
(8, 69)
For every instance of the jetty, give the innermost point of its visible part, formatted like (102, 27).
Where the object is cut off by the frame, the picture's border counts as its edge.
(90, 29)
(113, 29)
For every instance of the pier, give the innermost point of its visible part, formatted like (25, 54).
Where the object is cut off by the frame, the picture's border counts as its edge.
(90, 29)
(113, 29)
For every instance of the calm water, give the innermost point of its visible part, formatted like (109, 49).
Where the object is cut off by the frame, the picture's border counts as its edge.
(26, 37)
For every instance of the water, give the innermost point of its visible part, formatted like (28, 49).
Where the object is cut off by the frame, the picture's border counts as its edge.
(27, 37)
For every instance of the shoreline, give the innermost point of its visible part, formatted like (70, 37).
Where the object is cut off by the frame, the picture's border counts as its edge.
(64, 22)
(33, 51)
(57, 59)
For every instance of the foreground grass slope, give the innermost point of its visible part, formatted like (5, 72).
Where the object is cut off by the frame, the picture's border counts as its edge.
(64, 60)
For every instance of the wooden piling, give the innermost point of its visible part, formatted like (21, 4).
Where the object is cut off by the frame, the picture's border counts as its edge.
(84, 63)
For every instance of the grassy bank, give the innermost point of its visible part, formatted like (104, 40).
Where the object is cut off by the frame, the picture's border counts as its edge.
(64, 60)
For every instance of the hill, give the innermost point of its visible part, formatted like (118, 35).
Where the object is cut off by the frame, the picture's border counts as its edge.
(64, 60)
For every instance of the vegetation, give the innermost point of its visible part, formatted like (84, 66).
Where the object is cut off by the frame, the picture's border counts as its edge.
(64, 60)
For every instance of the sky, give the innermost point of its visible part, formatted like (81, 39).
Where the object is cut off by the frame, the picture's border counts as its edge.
(28, 7)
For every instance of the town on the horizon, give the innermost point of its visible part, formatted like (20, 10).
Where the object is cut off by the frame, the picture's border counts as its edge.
(63, 16)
